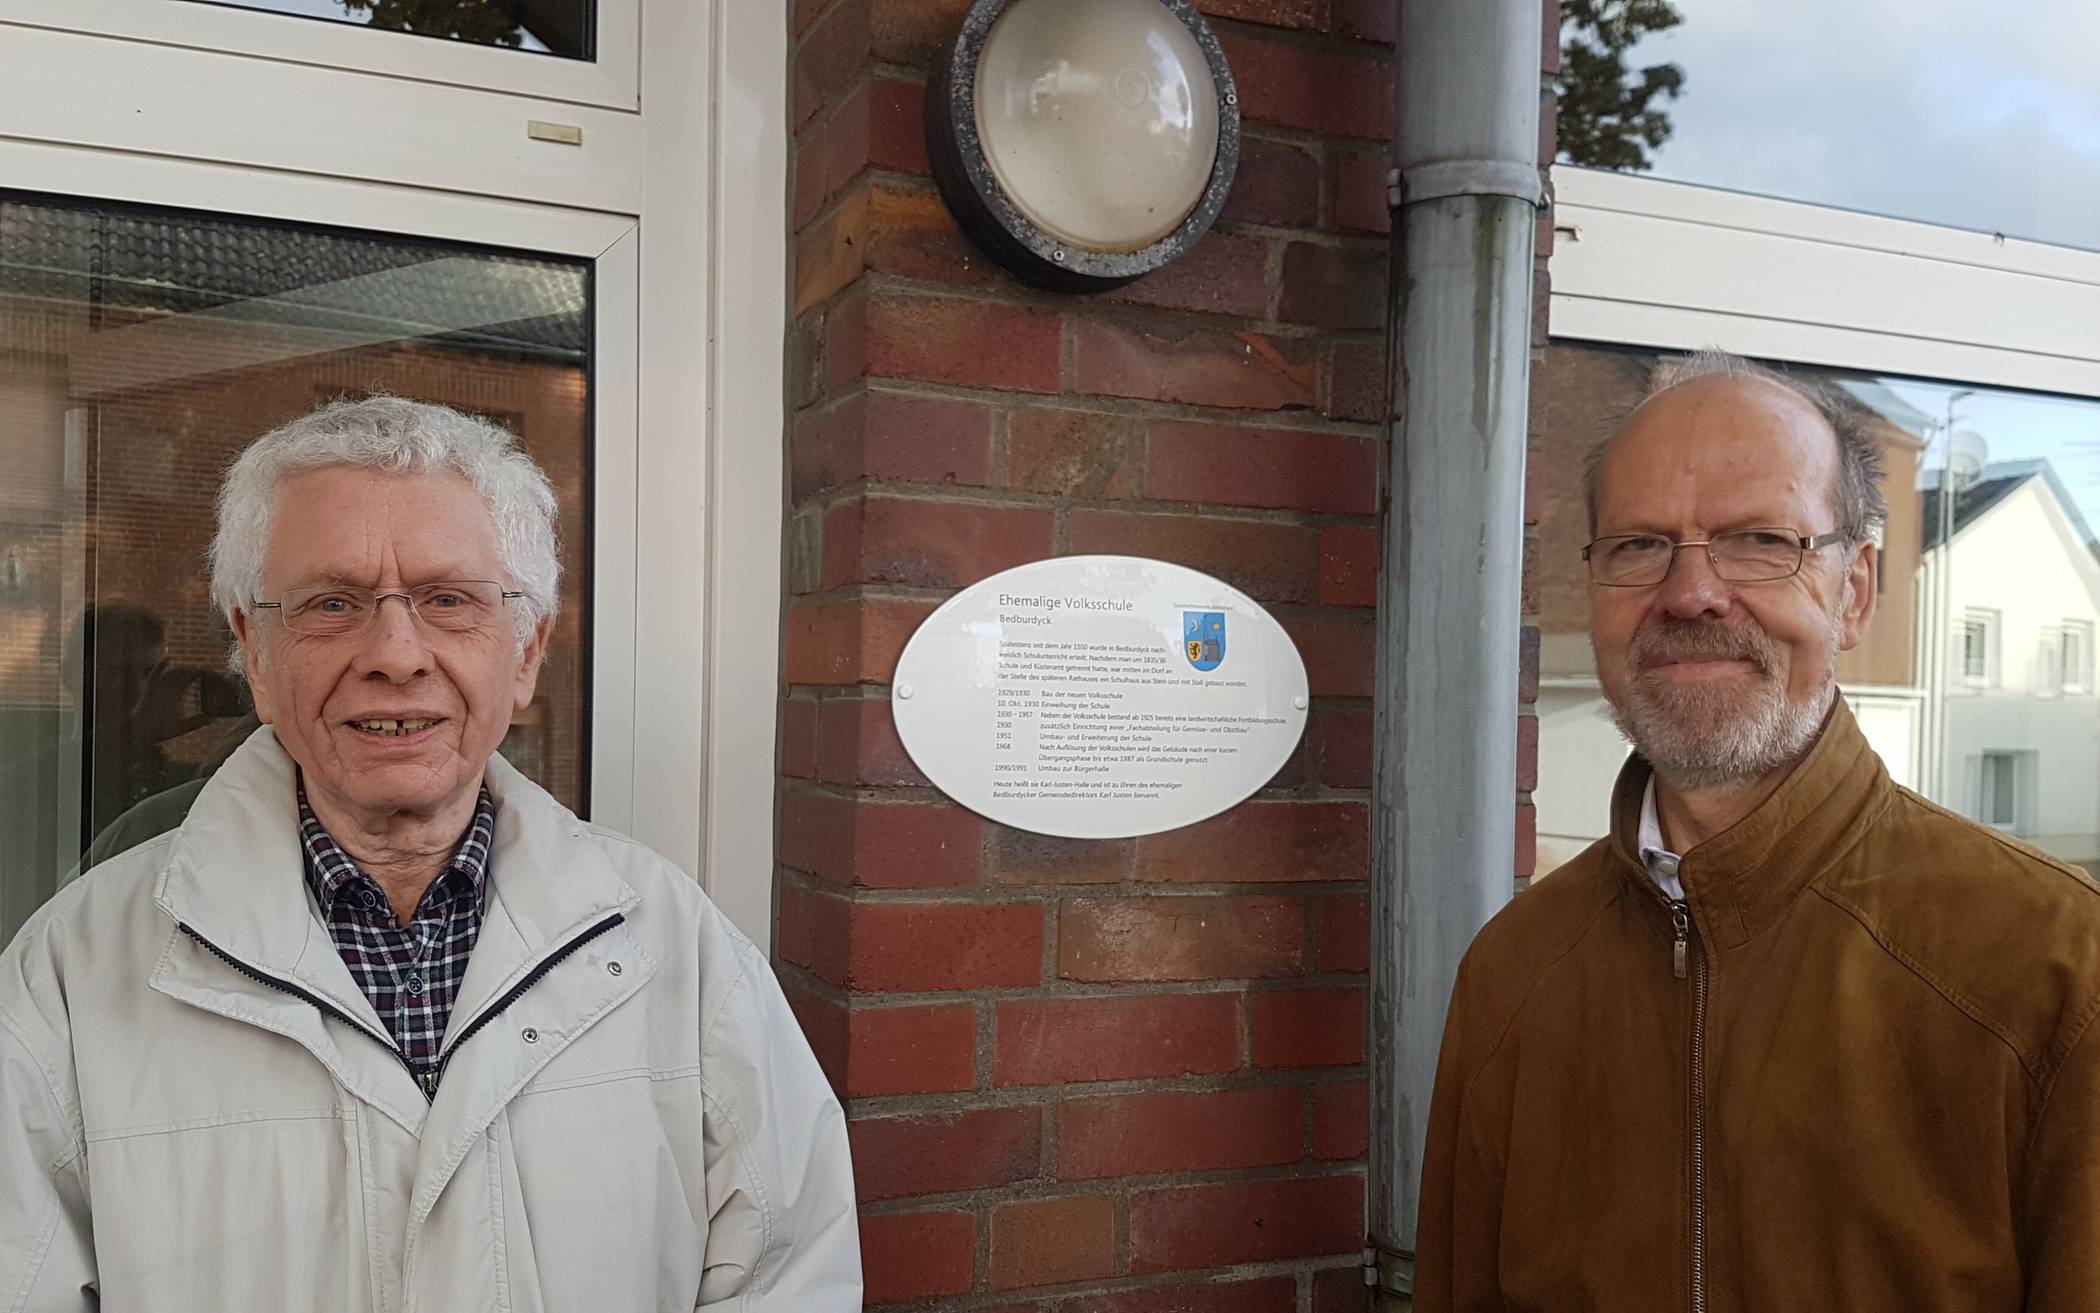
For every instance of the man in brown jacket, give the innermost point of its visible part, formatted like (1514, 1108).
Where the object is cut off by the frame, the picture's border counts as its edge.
(1790, 1037)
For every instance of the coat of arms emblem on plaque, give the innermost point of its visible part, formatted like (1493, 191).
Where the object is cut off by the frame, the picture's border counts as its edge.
(1203, 638)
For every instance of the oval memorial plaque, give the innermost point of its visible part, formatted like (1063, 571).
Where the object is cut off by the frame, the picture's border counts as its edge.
(1099, 697)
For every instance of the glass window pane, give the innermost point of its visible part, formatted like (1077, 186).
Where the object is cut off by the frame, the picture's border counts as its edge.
(1976, 637)
(140, 351)
(1944, 111)
(1998, 785)
(2076, 661)
(546, 27)
(1973, 681)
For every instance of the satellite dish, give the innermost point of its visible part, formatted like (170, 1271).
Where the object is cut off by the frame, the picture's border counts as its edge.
(1967, 454)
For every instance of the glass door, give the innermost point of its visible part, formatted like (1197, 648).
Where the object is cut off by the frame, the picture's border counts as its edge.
(142, 346)
(230, 209)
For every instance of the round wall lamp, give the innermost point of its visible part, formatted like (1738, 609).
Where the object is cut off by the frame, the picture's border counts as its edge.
(1083, 143)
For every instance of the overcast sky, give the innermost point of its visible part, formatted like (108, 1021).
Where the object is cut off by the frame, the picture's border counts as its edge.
(1980, 116)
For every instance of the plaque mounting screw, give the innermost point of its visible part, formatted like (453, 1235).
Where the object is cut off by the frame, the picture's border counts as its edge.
(904, 692)
(1299, 702)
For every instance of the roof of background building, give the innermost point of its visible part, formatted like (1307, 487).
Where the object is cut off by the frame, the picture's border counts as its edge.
(1993, 484)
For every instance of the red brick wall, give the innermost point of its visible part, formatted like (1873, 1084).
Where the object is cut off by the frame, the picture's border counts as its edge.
(1084, 1076)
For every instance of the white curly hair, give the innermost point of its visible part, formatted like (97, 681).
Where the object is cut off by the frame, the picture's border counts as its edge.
(398, 436)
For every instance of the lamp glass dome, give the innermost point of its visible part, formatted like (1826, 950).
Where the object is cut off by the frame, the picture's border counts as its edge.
(1098, 117)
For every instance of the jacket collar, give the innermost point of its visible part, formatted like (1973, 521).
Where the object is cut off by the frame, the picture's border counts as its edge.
(234, 875)
(1742, 880)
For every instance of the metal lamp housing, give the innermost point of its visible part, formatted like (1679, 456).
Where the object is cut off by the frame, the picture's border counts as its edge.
(1066, 68)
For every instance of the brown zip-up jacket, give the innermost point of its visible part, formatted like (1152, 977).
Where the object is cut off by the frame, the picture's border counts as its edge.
(1874, 1087)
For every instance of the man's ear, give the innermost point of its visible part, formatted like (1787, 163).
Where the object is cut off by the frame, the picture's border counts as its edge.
(1862, 579)
(251, 663)
(530, 658)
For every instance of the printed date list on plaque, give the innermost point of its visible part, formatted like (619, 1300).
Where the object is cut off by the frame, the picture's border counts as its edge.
(1098, 697)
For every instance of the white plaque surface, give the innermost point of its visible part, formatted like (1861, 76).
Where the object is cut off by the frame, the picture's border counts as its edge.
(1098, 697)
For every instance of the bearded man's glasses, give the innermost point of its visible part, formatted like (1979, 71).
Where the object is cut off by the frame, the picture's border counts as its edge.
(1741, 556)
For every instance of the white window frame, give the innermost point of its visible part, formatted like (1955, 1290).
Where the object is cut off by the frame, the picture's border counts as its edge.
(2075, 656)
(2048, 664)
(1993, 626)
(179, 102)
(690, 204)
(2023, 782)
(1669, 265)
(612, 79)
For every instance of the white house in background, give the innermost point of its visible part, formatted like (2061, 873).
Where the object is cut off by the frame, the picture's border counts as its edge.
(2020, 743)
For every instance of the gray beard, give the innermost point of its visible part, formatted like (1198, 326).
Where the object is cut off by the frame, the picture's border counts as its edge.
(1703, 737)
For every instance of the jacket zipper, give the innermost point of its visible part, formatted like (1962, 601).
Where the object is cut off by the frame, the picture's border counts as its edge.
(1681, 922)
(320, 1004)
(512, 995)
(428, 1080)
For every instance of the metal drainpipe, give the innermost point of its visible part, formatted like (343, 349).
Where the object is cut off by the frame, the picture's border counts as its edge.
(1444, 783)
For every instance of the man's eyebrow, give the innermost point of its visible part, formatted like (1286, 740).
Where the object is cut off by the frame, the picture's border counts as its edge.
(330, 579)
(1731, 524)
(337, 579)
(1631, 526)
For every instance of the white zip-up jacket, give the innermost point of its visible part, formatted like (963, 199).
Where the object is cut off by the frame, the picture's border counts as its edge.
(200, 1110)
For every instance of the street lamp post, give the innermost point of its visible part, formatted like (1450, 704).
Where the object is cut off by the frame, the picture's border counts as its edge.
(1942, 608)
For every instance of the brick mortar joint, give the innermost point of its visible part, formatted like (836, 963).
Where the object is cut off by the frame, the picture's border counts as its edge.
(1097, 992)
(1031, 1190)
(1303, 38)
(1110, 405)
(1019, 297)
(1289, 135)
(868, 488)
(1055, 1297)
(816, 20)
(1110, 312)
(1019, 892)
(948, 1103)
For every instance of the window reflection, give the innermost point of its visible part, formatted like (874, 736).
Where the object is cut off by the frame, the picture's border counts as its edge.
(139, 352)
(1975, 681)
(1944, 111)
(547, 27)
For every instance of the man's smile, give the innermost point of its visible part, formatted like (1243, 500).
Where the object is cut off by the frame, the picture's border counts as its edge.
(395, 730)
(1692, 670)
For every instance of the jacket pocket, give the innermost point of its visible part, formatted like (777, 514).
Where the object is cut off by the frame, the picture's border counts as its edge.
(242, 1210)
(605, 1176)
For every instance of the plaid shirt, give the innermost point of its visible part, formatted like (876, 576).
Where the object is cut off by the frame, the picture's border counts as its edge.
(411, 974)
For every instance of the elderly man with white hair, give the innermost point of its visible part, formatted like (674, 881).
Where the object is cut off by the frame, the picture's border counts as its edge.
(382, 1025)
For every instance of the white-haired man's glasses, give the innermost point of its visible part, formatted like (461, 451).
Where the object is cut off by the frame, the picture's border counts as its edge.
(339, 610)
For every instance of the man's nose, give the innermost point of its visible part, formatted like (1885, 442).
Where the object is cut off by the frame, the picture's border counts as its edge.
(395, 645)
(1691, 588)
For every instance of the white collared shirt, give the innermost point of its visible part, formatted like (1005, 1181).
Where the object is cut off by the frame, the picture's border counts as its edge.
(1660, 861)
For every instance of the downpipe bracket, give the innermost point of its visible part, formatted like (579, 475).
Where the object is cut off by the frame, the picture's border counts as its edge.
(1439, 179)
(1389, 1271)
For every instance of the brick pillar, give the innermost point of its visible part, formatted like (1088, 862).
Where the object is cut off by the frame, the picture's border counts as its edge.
(1100, 1076)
